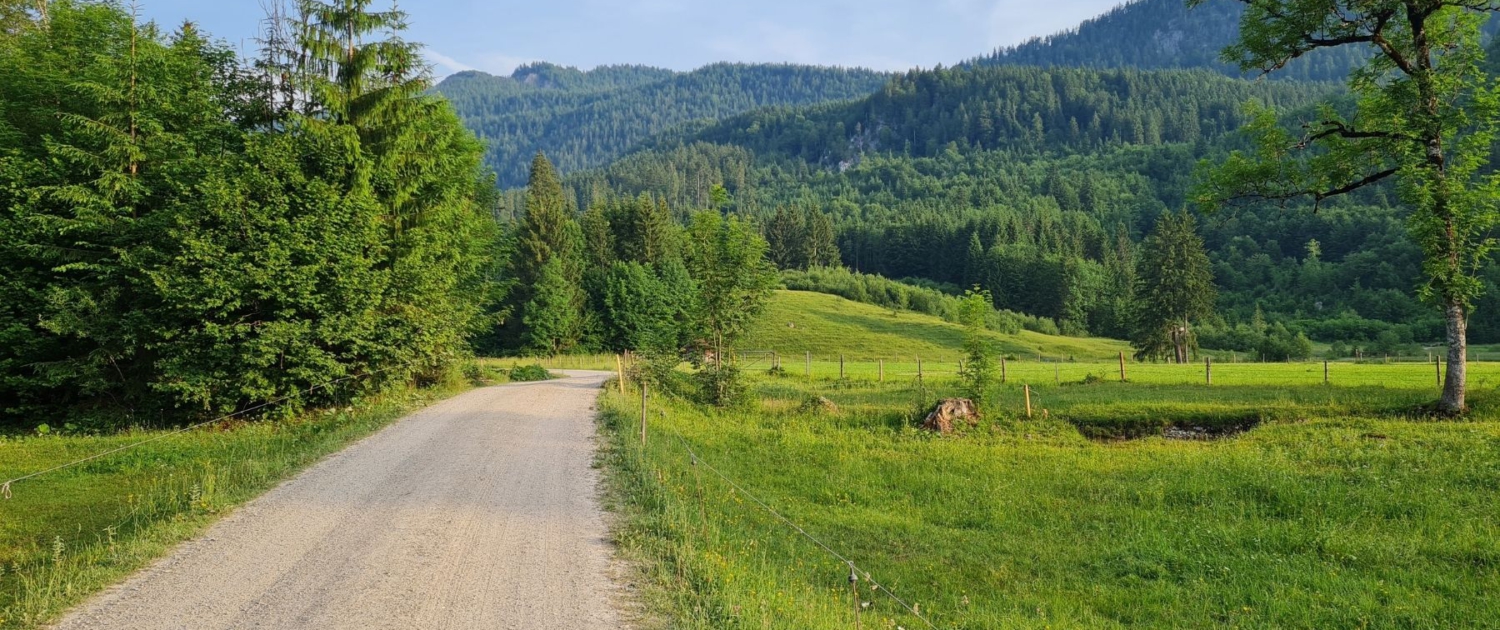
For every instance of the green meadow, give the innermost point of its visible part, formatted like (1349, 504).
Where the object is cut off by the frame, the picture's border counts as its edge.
(1335, 507)
(1267, 499)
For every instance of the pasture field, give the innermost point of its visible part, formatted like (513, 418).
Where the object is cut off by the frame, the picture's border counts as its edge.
(797, 322)
(1341, 506)
(67, 534)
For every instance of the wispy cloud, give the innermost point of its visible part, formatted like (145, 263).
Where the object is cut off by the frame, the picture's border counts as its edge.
(444, 64)
(502, 64)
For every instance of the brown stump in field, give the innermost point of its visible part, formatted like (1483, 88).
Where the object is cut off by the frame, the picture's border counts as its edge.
(947, 412)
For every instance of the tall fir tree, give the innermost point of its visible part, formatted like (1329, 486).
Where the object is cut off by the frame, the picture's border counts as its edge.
(598, 237)
(1174, 287)
(785, 235)
(976, 264)
(552, 317)
(548, 234)
(820, 246)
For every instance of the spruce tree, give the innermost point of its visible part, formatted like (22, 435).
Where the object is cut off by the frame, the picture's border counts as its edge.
(548, 235)
(785, 234)
(598, 239)
(542, 234)
(1174, 287)
(648, 234)
(975, 263)
(553, 320)
(820, 246)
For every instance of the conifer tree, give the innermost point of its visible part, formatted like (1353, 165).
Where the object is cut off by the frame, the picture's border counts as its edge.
(975, 263)
(552, 317)
(543, 232)
(820, 246)
(784, 237)
(598, 239)
(648, 234)
(1174, 287)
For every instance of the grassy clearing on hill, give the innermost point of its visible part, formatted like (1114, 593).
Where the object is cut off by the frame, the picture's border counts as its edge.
(68, 534)
(825, 325)
(1341, 510)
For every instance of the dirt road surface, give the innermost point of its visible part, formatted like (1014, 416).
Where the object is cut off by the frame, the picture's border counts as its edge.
(478, 512)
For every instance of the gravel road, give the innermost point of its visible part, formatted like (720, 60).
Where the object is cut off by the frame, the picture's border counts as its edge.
(478, 512)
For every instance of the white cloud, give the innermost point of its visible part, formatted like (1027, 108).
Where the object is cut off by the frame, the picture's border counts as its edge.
(501, 64)
(445, 65)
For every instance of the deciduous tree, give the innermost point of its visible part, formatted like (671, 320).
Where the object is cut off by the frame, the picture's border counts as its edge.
(1424, 116)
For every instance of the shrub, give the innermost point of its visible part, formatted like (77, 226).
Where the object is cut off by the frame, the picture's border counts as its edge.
(529, 373)
(720, 385)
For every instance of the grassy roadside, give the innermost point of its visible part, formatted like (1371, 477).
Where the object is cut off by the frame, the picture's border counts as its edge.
(1338, 512)
(69, 534)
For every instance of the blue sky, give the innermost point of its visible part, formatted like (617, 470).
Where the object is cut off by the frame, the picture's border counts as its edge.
(497, 35)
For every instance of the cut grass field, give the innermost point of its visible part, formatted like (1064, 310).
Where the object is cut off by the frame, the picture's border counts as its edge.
(70, 533)
(1343, 508)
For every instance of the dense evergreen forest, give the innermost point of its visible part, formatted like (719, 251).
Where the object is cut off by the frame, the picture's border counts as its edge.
(587, 119)
(1039, 184)
(1165, 34)
(186, 232)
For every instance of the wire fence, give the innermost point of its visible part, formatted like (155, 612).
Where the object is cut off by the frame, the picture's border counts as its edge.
(1393, 372)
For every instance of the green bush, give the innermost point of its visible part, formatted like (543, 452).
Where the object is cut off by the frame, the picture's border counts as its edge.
(529, 373)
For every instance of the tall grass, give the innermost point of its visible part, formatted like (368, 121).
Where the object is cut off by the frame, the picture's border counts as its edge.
(1344, 509)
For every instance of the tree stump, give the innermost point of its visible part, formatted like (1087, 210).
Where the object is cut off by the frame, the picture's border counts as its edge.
(948, 412)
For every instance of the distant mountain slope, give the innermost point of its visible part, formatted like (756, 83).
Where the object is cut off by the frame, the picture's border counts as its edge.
(587, 119)
(1056, 110)
(1156, 34)
(1037, 183)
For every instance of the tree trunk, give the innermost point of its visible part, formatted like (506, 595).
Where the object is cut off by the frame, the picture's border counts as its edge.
(1455, 384)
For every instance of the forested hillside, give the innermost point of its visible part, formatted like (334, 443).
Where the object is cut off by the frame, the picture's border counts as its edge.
(1039, 184)
(586, 119)
(1161, 34)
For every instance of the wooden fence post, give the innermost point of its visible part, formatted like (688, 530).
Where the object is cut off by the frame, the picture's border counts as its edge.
(643, 413)
(1002, 370)
(841, 367)
(1437, 366)
(1122, 366)
(1208, 370)
(1325, 371)
(882, 370)
(1057, 373)
(919, 368)
(620, 369)
(1028, 400)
